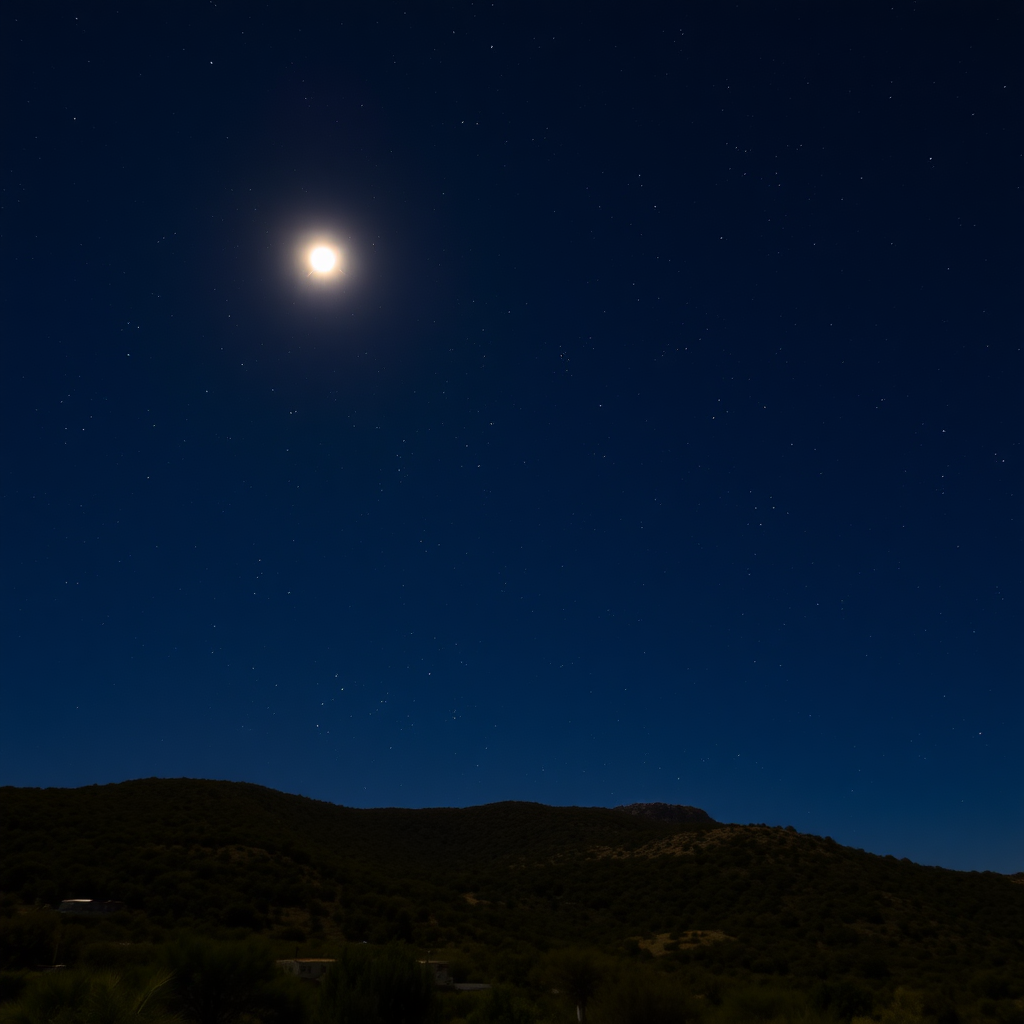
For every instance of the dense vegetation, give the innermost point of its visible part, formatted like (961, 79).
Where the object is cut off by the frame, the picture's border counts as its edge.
(672, 920)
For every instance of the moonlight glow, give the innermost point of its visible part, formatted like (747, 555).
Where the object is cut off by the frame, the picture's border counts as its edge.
(323, 260)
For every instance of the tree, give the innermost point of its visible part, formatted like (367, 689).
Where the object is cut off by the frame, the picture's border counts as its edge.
(578, 975)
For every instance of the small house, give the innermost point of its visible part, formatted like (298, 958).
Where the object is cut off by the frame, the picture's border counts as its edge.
(442, 972)
(90, 907)
(308, 968)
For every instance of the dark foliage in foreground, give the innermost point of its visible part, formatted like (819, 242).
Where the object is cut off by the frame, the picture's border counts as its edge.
(376, 986)
(508, 892)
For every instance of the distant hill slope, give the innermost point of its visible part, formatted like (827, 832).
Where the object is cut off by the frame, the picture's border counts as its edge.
(226, 858)
(668, 812)
(217, 814)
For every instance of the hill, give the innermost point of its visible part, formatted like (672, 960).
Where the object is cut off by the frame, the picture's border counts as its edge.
(501, 886)
(668, 812)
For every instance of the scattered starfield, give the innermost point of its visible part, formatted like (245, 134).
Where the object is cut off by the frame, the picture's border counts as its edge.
(436, 407)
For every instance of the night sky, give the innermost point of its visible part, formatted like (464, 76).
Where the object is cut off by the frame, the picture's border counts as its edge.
(661, 439)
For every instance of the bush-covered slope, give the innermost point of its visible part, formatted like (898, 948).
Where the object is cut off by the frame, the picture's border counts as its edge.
(503, 883)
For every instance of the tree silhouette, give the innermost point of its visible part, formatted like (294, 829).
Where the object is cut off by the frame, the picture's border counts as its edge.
(579, 977)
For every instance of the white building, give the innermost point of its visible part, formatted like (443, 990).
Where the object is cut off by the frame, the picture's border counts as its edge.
(91, 907)
(442, 971)
(310, 968)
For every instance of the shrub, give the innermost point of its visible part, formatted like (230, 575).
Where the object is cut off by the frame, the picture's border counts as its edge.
(376, 986)
(647, 1000)
(76, 997)
(12, 985)
(216, 983)
(764, 1004)
(27, 940)
(905, 1008)
(503, 1006)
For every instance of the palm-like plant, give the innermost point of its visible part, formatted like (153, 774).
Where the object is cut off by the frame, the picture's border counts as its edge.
(75, 997)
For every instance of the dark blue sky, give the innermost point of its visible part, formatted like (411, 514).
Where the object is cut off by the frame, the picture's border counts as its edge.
(663, 442)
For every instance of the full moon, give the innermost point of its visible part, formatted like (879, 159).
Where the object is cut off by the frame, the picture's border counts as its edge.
(323, 260)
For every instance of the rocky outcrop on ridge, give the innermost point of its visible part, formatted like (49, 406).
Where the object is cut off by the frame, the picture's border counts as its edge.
(668, 812)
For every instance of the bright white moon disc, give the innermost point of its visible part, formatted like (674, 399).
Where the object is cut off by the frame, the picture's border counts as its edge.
(322, 259)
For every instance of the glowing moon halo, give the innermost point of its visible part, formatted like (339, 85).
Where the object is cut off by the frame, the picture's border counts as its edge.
(323, 260)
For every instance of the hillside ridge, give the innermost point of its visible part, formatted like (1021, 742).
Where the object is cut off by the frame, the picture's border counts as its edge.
(666, 812)
(233, 859)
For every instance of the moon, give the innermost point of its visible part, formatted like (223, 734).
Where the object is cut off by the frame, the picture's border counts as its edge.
(323, 260)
